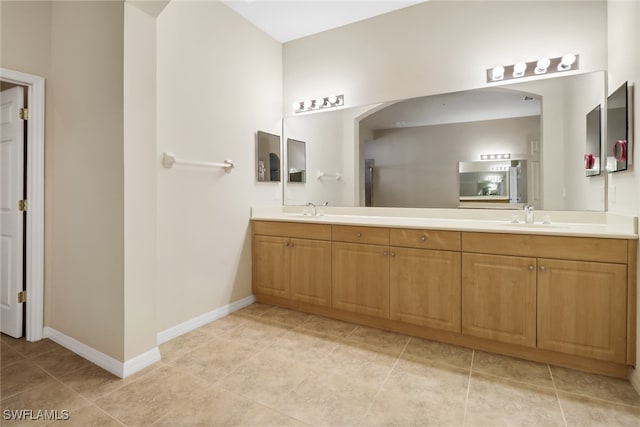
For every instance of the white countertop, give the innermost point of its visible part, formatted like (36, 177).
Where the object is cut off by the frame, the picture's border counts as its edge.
(563, 223)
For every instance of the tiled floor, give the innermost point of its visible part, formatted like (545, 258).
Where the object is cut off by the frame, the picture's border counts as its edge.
(267, 366)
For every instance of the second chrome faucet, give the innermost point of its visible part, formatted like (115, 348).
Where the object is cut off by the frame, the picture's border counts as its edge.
(528, 214)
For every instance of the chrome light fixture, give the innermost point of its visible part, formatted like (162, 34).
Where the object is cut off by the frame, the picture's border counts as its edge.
(527, 69)
(499, 156)
(319, 103)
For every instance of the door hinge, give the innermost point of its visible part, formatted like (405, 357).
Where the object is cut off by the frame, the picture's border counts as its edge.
(24, 114)
(22, 205)
(22, 296)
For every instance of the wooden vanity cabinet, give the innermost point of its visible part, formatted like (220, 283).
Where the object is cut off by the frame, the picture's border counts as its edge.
(577, 305)
(271, 266)
(360, 270)
(563, 300)
(292, 268)
(425, 287)
(361, 278)
(425, 278)
(582, 308)
(499, 298)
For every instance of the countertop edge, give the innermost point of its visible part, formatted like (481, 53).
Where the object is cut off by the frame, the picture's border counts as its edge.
(480, 226)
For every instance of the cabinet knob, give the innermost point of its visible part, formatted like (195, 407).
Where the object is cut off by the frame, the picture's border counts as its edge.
(393, 254)
(287, 244)
(385, 253)
(291, 245)
(531, 267)
(543, 268)
(423, 238)
(358, 234)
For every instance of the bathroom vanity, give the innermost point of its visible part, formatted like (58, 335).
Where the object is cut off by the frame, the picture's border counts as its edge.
(561, 293)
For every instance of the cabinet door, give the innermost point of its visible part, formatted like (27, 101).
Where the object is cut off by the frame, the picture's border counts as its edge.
(271, 266)
(582, 308)
(425, 288)
(361, 278)
(499, 298)
(311, 271)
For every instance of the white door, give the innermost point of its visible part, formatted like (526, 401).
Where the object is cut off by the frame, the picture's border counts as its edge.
(11, 223)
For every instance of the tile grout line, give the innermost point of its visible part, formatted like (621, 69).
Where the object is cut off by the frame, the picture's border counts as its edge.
(466, 399)
(553, 381)
(373, 400)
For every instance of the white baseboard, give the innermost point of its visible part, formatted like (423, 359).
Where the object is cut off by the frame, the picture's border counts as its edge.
(635, 379)
(203, 319)
(108, 363)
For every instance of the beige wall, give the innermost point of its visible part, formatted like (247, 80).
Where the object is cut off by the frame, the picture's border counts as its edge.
(438, 47)
(140, 181)
(77, 47)
(219, 81)
(84, 204)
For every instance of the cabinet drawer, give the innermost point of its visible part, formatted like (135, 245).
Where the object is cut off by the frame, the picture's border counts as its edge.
(425, 239)
(292, 229)
(354, 234)
(561, 247)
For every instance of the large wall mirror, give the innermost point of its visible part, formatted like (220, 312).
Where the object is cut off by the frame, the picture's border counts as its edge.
(268, 163)
(408, 153)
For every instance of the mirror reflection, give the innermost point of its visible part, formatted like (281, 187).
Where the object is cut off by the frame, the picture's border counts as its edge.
(594, 142)
(407, 153)
(296, 161)
(617, 130)
(268, 157)
(500, 183)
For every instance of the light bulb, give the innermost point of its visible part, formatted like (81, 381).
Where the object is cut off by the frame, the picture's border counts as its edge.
(519, 69)
(497, 73)
(333, 99)
(296, 105)
(542, 65)
(566, 62)
(319, 103)
(307, 104)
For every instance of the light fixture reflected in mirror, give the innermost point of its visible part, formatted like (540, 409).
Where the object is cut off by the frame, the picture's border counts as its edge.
(318, 103)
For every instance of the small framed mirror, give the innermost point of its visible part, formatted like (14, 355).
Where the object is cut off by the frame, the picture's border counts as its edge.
(618, 147)
(594, 141)
(296, 161)
(268, 157)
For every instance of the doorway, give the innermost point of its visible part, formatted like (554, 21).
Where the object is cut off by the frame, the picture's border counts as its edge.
(24, 169)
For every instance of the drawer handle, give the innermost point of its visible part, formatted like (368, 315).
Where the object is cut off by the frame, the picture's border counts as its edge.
(543, 268)
(423, 238)
(358, 234)
(287, 244)
(385, 253)
(531, 267)
(393, 254)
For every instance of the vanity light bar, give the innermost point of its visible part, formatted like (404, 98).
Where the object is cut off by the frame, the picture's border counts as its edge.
(502, 156)
(318, 103)
(533, 68)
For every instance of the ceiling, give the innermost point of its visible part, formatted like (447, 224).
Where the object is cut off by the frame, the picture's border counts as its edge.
(294, 19)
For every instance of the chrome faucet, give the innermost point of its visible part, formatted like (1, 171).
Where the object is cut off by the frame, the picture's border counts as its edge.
(314, 212)
(528, 214)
